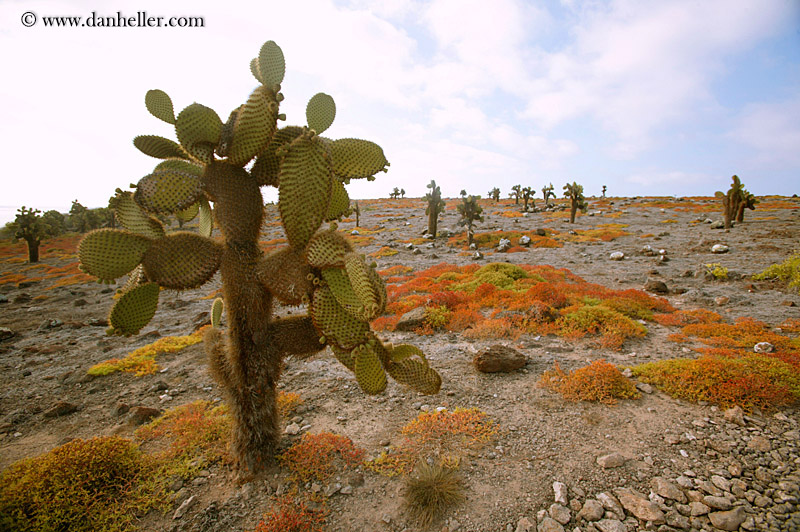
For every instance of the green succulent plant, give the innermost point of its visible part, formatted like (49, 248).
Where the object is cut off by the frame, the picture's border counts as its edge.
(748, 201)
(604, 191)
(435, 207)
(516, 193)
(204, 173)
(731, 201)
(30, 226)
(495, 194)
(574, 192)
(395, 193)
(470, 212)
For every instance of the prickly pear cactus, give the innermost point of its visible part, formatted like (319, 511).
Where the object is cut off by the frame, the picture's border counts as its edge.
(527, 197)
(574, 193)
(470, 212)
(203, 175)
(547, 193)
(735, 201)
(435, 207)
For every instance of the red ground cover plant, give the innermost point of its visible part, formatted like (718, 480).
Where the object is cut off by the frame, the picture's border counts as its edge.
(316, 456)
(505, 300)
(600, 381)
(291, 514)
(729, 372)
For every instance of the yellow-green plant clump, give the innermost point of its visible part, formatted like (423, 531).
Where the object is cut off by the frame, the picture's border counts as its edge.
(787, 271)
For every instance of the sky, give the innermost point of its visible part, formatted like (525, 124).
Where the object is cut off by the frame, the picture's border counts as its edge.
(661, 97)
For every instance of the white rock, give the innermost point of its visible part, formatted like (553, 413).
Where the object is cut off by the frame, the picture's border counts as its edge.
(763, 347)
(560, 491)
(183, 507)
(617, 255)
(719, 248)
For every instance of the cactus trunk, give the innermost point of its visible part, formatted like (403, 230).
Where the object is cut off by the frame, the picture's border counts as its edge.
(33, 249)
(433, 220)
(573, 209)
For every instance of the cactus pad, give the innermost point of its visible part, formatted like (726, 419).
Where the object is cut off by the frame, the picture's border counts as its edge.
(340, 202)
(226, 137)
(134, 218)
(205, 224)
(304, 189)
(339, 284)
(320, 112)
(135, 278)
(159, 104)
(158, 147)
(327, 249)
(356, 158)
(285, 274)
(268, 163)
(181, 166)
(199, 129)
(416, 375)
(167, 191)
(182, 260)
(271, 64)
(216, 312)
(134, 309)
(189, 213)
(347, 358)
(254, 126)
(368, 369)
(108, 254)
(369, 288)
(334, 323)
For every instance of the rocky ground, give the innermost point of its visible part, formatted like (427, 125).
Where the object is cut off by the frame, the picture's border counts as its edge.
(654, 463)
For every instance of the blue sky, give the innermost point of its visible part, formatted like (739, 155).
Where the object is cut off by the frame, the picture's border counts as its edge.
(647, 97)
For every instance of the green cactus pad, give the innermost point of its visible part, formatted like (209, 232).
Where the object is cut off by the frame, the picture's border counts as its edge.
(216, 312)
(347, 358)
(339, 283)
(369, 372)
(199, 129)
(271, 64)
(327, 249)
(108, 254)
(338, 326)
(159, 147)
(134, 218)
(304, 189)
(367, 287)
(255, 126)
(135, 278)
(355, 158)
(134, 309)
(180, 165)
(415, 374)
(320, 112)
(340, 202)
(159, 104)
(167, 191)
(285, 274)
(182, 260)
(188, 214)
(205, 224)
(268, 163)
(255, 70)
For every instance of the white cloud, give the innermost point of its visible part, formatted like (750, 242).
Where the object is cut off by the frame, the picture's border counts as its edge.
(773, 131)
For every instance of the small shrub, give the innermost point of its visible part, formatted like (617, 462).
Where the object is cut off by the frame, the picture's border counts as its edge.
(315, 456)
(600, 381)
(787, 271)
(84, 485)
(436, 317)
(431, 491)
(292, 515)
(717, 270)
(142, 361)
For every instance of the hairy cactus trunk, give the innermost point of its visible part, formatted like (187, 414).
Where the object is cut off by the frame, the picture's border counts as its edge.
(740, 212)
(433, 221)
(573, 209)
(33, 249)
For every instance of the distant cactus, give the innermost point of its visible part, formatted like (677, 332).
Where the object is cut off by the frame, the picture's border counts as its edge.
(395, 193)
(470, 213)
(357, 210)
(604, 191)
(317, 267)
(32, 228)
(731, 202)
(547, 193)
(402, 193)
(495, 194)
(435, 207)
(748, 201)
(82, 219)
(527, 197)
(574, 193)
(516, 192)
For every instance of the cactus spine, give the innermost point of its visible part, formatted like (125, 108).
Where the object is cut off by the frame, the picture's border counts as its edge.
(318, 268)
(574, 193)
(435, 207)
